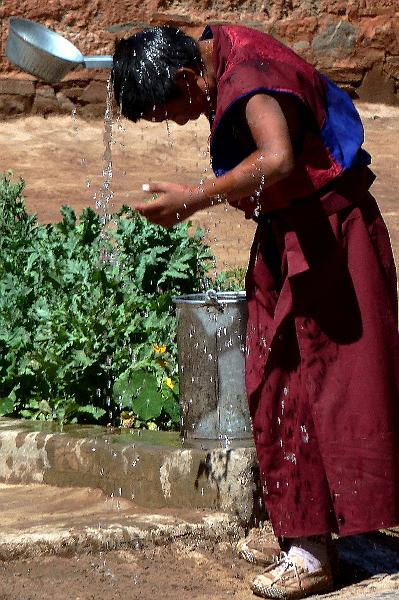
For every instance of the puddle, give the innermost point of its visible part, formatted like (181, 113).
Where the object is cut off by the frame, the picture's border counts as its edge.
(113, 435)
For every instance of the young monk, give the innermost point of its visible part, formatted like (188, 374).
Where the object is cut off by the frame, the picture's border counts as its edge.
(322, 357)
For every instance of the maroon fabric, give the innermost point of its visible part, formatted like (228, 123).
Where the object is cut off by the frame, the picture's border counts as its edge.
(322, 366)
(246, 61)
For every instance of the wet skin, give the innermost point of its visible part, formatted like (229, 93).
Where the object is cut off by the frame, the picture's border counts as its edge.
(270, 122)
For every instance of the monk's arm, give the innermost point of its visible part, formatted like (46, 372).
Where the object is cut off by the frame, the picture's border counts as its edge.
(272, 161)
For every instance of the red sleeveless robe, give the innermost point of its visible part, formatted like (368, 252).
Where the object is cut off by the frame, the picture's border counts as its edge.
(322, 363)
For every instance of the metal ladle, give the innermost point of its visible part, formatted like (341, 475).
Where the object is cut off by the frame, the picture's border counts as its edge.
(45, 53)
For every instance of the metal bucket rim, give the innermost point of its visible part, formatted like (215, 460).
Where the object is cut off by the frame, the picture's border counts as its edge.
(16, 33)
(201, 299)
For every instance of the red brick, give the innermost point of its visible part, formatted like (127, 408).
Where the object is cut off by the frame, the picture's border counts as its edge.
(18, 87)
(93, 25)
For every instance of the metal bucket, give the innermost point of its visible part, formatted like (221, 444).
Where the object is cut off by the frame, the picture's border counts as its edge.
(211, 348)
(46, 54)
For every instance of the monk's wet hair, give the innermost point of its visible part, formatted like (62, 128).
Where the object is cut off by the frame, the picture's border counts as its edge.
(145, 67)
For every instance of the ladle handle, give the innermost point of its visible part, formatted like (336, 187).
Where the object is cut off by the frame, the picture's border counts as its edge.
(98, 62)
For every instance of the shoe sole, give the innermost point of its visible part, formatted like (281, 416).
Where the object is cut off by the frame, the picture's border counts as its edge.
(269, 592)
(265, 592)
(249, 556)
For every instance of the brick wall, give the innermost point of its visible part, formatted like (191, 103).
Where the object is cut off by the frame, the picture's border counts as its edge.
(355, 42)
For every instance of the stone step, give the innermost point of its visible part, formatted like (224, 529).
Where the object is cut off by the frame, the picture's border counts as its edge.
(41, 519)
(127, 466)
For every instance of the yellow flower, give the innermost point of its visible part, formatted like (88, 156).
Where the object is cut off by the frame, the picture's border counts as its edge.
(169, 383)
(127, 419)
(159, 349)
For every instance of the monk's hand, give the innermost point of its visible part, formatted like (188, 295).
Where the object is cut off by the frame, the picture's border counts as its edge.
(170, 203)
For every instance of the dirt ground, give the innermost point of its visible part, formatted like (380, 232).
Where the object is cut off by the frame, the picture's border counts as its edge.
(41, 525)
(194, 571)
(61, 160)
(170, 573)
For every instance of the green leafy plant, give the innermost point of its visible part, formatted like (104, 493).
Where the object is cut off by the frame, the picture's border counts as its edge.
(87, 326)
(230, 280)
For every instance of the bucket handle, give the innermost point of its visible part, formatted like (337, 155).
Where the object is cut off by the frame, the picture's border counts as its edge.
(211, 298)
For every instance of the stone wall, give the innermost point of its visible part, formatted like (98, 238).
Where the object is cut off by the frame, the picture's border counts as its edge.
(355, 42)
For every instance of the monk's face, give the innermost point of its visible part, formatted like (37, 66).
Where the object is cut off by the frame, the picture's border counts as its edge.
(179, 110)
(190, 102)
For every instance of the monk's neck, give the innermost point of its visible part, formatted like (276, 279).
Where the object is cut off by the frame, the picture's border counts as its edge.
(206, 50)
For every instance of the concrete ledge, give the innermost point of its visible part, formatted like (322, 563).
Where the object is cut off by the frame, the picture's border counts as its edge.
(114, 537)
(40, 519)
(153, 476)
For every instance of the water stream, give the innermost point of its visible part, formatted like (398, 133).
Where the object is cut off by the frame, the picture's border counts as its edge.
(104, 203)
(114, 135)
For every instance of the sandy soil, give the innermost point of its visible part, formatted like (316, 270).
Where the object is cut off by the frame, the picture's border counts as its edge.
(61, 160)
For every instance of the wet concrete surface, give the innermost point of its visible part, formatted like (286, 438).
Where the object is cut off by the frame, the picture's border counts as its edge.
(114, 435)
(154, 475)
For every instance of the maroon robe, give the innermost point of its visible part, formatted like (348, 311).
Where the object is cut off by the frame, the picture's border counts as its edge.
(322, 366)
